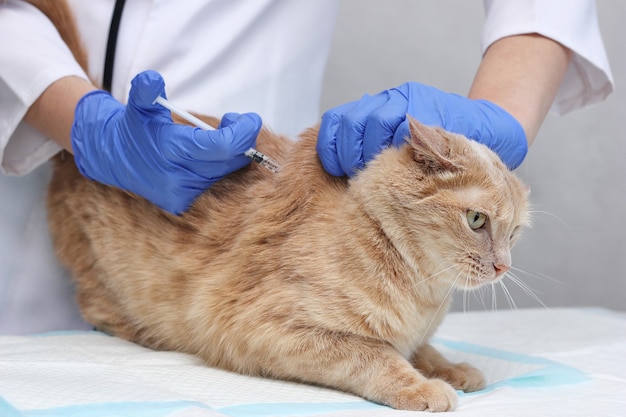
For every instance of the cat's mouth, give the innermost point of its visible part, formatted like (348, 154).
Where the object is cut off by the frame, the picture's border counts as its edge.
(475, 281)
(479, 272)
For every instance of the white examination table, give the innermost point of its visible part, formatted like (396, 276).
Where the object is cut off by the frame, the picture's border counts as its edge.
(538, 362)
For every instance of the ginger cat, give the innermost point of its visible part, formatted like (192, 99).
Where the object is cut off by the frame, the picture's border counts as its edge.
(300, 275)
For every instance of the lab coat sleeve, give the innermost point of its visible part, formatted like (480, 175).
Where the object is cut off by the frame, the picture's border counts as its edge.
(32, 57)
(572, 23)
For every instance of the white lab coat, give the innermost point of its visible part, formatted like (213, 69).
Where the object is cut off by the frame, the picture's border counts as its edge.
(265, 56)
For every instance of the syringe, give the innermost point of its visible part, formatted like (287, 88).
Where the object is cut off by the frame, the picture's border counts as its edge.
(251, 153)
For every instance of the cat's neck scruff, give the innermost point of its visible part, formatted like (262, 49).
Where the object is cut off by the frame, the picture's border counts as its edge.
(300, 275)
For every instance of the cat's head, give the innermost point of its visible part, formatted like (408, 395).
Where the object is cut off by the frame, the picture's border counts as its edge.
(448, 204)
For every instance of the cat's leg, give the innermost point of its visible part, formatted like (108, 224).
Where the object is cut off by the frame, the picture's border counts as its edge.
(99, 306)
(96, 303)
(369, 368)
(461, 376)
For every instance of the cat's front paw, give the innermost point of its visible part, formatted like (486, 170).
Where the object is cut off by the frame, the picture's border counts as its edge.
(464, 377)
(430, 395)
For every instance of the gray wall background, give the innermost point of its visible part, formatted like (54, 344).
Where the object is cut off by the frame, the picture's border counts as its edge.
(575, 254)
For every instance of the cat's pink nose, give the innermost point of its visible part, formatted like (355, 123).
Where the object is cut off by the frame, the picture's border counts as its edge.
(501, 269)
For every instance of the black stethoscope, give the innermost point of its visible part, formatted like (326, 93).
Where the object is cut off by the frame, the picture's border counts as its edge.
(109, 58)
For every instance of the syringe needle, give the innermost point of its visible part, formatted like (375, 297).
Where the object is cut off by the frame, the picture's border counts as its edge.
(251, 153)
(257, 156)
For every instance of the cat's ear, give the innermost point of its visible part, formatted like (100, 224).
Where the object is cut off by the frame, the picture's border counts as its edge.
(432, 148)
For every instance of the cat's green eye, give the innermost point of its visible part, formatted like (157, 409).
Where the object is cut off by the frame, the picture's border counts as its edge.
(514, 234)
(476, 219)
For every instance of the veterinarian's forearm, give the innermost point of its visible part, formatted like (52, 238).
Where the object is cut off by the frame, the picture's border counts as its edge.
(522, 74)
(53, 112)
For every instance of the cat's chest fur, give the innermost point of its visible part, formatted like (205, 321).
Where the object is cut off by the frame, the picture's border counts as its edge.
(351, 276)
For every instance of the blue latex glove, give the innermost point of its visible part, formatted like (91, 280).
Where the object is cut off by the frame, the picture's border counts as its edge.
(352, 134)
(138, 148)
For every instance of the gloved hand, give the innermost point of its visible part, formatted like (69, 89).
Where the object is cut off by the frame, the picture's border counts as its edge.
(138, 148)
(352, 134)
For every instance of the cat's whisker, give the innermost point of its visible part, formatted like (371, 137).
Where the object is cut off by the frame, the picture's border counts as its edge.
(433, 276)
(488, 292)
(466, 294)
(527, 289)
(554, 216)
(508, 294)
(443, 302)
(478, 294)
(539, 276)
(532, 213)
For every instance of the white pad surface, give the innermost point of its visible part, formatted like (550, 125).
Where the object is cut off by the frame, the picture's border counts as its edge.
(564, 362)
